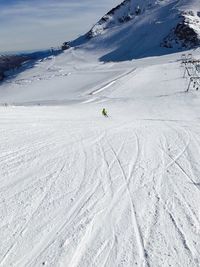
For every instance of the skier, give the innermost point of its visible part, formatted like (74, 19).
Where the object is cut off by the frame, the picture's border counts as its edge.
(104, 112)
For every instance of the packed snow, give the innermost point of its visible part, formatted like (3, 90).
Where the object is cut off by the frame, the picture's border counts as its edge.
(79, 189)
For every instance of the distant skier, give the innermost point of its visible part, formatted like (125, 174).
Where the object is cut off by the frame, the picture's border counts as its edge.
(104, 112)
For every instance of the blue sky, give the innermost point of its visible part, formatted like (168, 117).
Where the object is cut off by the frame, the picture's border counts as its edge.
(38, 24)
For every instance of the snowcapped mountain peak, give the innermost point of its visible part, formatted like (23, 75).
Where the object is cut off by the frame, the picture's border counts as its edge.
(122, 13)
(138, 28)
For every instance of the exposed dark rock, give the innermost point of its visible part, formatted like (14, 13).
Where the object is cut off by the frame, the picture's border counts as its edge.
(125, 19)
(183, 35)
(65, 46)
(138, 11)
(112, 11)
(10, 62)
(186, 34)
(2, 76)
(106, 18)
(190, 13)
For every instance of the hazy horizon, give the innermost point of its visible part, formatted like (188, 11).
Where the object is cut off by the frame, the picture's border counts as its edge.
(40, 24)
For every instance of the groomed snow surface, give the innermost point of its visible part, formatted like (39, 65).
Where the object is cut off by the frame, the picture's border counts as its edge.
(78, 189)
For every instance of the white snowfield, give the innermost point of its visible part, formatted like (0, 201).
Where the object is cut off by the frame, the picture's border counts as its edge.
(78, 189)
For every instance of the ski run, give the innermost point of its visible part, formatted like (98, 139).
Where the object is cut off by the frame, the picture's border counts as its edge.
(79, 189)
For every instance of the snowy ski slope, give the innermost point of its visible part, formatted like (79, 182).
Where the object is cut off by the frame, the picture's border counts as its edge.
(78, 189)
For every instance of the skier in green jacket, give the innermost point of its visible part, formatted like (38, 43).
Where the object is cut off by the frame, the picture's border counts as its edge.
(104, 112)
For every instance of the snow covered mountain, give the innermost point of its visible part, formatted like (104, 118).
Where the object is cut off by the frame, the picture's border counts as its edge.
(138, 28)
(81, 190)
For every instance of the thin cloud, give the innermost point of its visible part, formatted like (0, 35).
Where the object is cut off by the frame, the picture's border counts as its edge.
(39, 24)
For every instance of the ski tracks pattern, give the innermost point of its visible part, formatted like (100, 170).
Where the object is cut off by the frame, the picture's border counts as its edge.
(110, 196)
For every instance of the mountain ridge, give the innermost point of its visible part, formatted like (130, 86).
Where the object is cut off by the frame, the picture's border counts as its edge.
(136, 29)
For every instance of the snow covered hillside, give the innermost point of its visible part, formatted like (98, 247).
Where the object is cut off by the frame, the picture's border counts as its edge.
(138, 28)
(78, 189)
(9, 63)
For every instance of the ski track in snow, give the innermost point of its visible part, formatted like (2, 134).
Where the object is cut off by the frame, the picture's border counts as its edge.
(78, 189)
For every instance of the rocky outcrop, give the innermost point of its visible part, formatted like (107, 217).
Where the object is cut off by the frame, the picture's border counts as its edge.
(120, 14)
(65, 46)
(185, 34)
(1, 76)
(10, 62)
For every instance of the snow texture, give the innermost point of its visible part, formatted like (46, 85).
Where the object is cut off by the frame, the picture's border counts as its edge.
(81, 190)
(78, 189)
